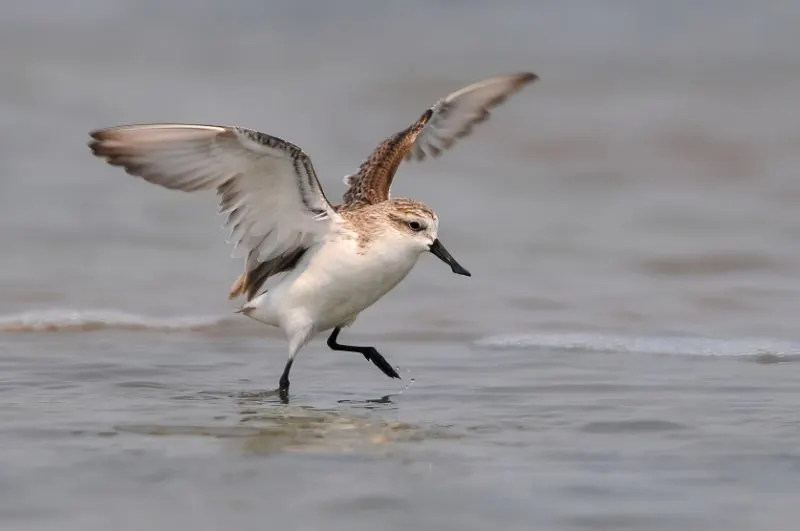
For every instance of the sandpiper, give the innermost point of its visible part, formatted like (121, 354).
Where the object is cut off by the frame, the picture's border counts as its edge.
(337, 260)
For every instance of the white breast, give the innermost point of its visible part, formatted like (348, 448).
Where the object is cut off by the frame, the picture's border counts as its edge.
(337, 281)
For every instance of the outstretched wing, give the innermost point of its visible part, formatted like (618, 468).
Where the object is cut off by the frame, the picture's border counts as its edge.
(449, 119)
(267, 187)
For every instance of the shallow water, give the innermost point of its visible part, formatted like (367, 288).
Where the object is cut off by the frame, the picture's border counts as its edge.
(624, 356)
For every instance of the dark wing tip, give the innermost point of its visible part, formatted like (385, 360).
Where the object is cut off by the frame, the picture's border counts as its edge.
(521, 79)
(100, 148)
(96, 140)
(98, 143)
(107, 133)
(96, 146)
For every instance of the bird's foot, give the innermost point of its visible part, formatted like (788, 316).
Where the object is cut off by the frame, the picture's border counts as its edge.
(283, 394)
(372, 354)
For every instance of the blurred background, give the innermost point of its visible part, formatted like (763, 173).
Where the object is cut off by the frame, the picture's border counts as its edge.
(640, 198)
(646, 183)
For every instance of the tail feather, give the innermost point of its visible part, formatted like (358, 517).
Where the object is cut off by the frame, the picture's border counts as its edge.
(246, 310)
(238, 287)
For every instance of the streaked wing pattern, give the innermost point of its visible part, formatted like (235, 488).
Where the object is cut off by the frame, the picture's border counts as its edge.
(449, 119)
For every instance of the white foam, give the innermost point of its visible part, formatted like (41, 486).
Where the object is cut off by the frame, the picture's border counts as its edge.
(687, 346)
(88, 320)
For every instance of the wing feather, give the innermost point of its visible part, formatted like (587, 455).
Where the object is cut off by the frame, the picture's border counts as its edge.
(268, 190)
(449, 119)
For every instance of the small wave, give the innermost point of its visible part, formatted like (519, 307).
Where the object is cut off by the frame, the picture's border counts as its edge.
(91, 320)
(762, 349)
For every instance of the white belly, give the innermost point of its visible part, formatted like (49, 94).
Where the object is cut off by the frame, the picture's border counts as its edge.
(335, 283)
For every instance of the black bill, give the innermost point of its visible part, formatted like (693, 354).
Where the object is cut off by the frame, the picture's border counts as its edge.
(441, 253)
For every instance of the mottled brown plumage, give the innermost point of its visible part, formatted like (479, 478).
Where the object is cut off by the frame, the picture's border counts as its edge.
(374, 178)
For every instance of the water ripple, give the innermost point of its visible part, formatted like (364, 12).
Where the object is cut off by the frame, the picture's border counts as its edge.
(762, 350)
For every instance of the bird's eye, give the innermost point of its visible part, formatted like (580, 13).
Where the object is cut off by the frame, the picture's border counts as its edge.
(416, 226)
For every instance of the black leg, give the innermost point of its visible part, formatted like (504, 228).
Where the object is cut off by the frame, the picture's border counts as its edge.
(369, 352)
(283, 385)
